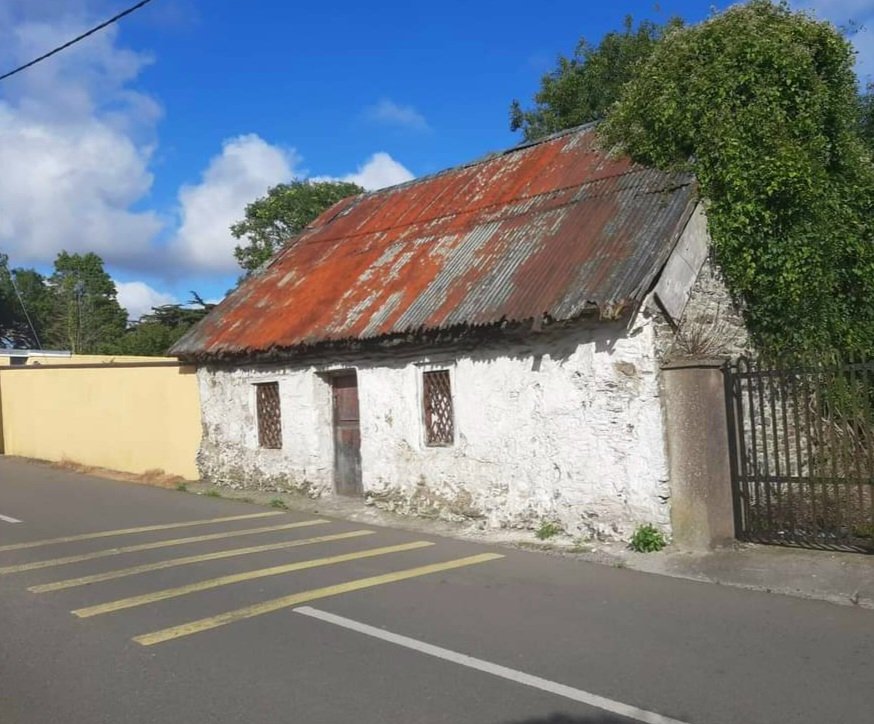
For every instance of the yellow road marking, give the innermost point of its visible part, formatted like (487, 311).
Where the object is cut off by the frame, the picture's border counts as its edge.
(240, 577)
(173, 562)
(129, 531)
(151, 546)
(205, 624)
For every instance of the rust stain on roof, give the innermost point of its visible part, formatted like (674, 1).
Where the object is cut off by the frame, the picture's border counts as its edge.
(551, 229)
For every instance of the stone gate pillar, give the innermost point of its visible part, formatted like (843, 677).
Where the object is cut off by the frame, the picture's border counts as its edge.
(702, 514)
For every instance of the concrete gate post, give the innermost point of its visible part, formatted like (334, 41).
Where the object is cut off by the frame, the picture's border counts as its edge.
(702, 515)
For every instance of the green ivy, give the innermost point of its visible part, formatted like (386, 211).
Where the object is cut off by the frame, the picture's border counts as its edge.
(762, 104)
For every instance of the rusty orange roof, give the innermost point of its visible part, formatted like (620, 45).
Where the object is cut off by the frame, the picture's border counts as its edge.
(549, 230)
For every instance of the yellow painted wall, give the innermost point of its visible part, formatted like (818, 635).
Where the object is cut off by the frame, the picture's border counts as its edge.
(128, 418)
(38, 360)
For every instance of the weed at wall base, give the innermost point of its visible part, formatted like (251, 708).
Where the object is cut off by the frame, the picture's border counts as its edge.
(547, 530)
(647, 539)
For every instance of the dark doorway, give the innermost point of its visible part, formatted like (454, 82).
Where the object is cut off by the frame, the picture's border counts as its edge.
(347, 435)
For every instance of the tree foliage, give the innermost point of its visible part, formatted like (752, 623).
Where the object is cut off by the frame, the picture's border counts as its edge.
(866, 117)
(24, 306)
(85, 316)
(761, 103)
(286, 210)
(583, 87)
(77, 309)
(153, 334)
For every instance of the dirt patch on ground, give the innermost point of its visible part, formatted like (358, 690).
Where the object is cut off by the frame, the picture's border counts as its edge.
(156, 477)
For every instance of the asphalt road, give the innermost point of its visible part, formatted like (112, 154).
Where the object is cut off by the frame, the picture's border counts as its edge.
(331, 621)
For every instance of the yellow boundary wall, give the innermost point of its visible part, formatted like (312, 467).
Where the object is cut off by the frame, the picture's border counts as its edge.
(133, 415)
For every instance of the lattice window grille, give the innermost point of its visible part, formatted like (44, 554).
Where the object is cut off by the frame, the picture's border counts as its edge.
(269, 415)
(437, 399)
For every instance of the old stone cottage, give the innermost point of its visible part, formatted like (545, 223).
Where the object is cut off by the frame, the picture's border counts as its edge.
(482, 342)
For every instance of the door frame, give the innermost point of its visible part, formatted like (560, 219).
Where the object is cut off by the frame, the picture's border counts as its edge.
(356, 488)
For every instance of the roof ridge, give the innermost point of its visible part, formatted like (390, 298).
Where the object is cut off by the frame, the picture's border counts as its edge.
(552, 136)
(497, 204)
(485, 158)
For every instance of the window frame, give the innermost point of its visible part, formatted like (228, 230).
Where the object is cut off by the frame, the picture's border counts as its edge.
(421, 371)
(259, 439)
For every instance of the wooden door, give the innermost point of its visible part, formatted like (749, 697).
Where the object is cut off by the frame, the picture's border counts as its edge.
(347, 436)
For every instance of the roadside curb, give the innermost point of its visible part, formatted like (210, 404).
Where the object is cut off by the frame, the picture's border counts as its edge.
(845, 579)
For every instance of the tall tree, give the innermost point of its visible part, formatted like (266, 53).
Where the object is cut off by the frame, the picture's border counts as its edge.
(24, 306)
(761, 103)
(583, 87)
(286, 210)
(85, 317)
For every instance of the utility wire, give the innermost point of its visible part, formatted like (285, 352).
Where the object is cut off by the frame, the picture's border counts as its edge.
(24, 307)
(75, 40)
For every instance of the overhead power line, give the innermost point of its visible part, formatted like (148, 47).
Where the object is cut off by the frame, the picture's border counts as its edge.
(26, 314)
(75, 40)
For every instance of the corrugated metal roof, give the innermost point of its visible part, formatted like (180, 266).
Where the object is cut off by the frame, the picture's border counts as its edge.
(551, 229)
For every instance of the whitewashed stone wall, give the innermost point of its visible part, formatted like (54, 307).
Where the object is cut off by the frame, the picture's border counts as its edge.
(712, 324)
(566, 427)
(229, 451)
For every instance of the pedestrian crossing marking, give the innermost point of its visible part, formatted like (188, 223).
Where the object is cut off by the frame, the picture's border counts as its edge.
(151, 546)
(211, 583)
(129, 531)
(258, 609)
(174, 562)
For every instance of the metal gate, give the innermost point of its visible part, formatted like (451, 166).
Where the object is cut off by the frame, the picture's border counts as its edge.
(802, 453)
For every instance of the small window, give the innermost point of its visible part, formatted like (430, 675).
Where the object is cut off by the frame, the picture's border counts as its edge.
(437, 402)
(269, 416)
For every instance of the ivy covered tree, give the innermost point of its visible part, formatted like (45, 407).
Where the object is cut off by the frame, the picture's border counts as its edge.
(761, 103)
(286, 210)
(583, 87)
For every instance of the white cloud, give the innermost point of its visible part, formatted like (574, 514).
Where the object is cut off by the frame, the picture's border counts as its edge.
(246, 167)
(843, 12)
(242, 172)
(379, 171)
(139, 298)
(394, 114)
(75, 141)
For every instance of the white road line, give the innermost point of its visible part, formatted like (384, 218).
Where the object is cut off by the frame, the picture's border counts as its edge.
(520, 677)
(7, 519)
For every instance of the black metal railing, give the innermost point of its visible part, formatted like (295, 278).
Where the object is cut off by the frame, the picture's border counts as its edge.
(802, 447)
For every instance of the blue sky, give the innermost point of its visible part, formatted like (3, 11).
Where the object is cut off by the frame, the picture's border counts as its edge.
(144, 143)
